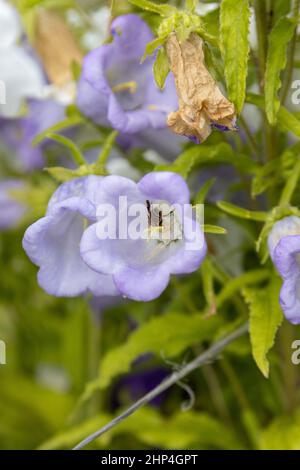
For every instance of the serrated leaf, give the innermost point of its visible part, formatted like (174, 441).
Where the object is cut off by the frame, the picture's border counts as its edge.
(279, 38)
(169, 335)
(161, 68)
(265, 318)
(234, 44)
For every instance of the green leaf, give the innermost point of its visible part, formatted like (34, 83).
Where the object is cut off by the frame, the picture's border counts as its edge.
(202, 194)
(281, 8)
(154, 430)
(265, 319)
(169, 334)
(62, 174)
(279, 38)
(234, 27)
(191, 4)
(255, 276)
(162, 10)
(161, 68)
(290, 185)
(76, 70)
(153, 45)
(208, 286)
(214, 229)
(282, 434)
(76, 153)
(237, 211)
(287, 120)
(198, 155)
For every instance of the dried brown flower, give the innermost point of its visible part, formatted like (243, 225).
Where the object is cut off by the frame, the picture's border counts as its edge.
(56, 47)
(201, 103)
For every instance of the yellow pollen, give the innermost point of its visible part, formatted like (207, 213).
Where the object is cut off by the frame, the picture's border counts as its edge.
(130, 86)
(153, 107)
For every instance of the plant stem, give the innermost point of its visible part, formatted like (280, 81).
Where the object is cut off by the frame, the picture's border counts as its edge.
(261, 28)
(108, 144)
(199, 361)
(235, 383)
(261, 17)
(252, 141)
(290, 58)
(289, 370)
(216, 392)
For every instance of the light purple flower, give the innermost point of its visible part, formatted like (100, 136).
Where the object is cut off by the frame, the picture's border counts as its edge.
(116, 90)
(284, 248)
(11, 210)
(141, 267)
(52, 243)
(18, 133)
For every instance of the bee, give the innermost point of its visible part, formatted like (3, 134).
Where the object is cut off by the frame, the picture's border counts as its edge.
(160, 223)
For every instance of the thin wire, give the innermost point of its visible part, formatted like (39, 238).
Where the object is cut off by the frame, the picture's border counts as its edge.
(175, 377)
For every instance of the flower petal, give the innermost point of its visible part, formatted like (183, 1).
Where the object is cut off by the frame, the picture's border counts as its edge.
(285, 256)
(190, 256)
(165, 185)
(52, 243)
(289, 301)
(142, 284)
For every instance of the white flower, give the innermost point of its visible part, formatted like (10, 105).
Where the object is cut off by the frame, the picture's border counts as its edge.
(99, 28)
(20, 74)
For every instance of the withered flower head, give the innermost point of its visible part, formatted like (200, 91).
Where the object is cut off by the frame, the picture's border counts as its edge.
(56, 47)
(201, 103)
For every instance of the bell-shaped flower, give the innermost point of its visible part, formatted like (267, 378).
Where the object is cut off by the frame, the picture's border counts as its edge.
(284, 249)
(119, 91)
(11, 210)
(17, 134)
(144, 233)
(53, 242)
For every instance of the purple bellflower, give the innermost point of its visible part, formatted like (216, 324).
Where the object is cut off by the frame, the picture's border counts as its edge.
(284, 248)
(141, 266)
(52, 243)
(18, 133)
(117, 90)
(11, 210)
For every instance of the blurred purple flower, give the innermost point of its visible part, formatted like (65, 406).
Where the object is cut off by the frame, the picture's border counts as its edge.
(18, 133)
(137, 384)
(116, 90)
(11, 211)
(141, 267)
(52, 243)
(284, 248)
